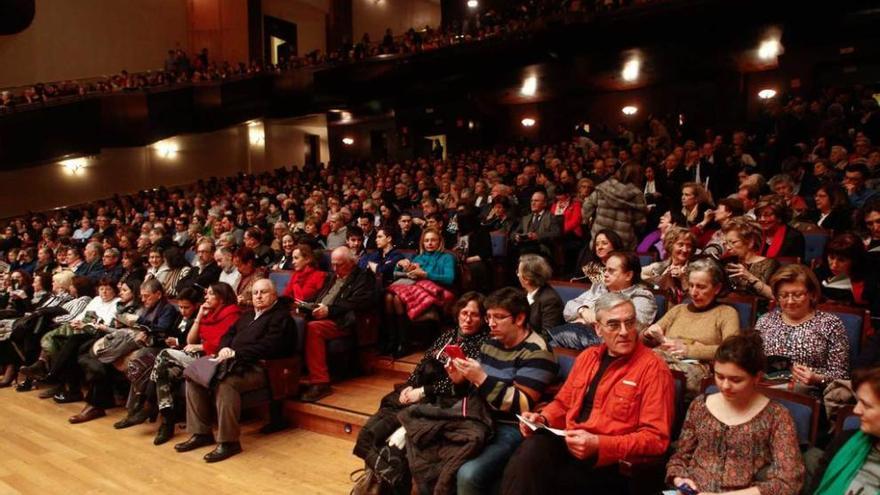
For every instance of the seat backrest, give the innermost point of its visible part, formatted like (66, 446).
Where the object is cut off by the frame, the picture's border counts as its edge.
(804, 410)
(857, 322)
(851, 422)
(662, 301)
(408, 253)
(565, 358)
(190, 256)
(280, 278)
(646, 259)
(746, 308)
(499, 243)
(324, 260)
(568, 290)
(814, 245)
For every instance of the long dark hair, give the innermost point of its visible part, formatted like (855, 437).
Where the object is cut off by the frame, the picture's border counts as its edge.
(225, 293)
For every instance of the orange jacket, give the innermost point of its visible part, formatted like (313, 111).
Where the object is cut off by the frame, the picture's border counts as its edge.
(633, 409)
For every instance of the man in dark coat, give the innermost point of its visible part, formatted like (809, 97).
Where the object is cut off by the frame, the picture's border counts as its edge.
(264, 332)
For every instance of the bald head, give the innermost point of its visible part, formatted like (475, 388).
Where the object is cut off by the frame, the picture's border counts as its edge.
(342, 260)
(264, 294)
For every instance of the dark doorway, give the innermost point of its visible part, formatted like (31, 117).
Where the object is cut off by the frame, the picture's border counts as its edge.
(378, 144)
(313, 149)
(279, 39)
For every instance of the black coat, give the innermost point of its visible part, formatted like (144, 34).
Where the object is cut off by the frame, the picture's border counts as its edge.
(837, 220)
(546, 312)
(357, 294)
(270, 336)
(792, 244)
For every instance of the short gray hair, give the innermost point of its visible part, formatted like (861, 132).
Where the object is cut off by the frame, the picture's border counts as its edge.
(535, 269)
(710, 266)
(611, 300)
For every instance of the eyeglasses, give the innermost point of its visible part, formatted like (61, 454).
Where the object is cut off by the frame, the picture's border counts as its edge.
(491, 318)
(625, 325)
(791, 296)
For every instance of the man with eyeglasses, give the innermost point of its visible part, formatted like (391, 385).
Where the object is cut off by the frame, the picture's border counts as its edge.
(616, 404)
(206, 271)
(515, 367)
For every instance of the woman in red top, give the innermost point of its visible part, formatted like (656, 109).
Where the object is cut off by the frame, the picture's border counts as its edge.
(216, 316)
(306, 280)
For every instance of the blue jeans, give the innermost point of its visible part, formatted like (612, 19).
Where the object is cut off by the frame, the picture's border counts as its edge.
(478, 475)
(573, 336)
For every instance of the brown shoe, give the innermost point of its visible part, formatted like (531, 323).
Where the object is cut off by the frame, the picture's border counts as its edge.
(87, 414)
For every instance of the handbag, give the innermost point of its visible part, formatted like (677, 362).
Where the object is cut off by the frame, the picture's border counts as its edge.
(139, 368)
(115, 345)
(202, 371)
(365, 482)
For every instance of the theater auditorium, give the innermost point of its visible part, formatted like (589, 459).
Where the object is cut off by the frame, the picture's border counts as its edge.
(440, 247)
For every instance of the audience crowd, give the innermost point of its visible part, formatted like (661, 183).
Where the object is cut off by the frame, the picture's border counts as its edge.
(123, 300)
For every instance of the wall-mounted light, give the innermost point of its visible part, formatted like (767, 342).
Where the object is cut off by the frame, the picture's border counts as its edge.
(766, 94)
(629, 110)
(769, 49)
(631, 70)
(74, 166)
(473, 4)
(167, 149)
(347, 141)
(529, 86)
(257, 135)
(345, 116)
(527, 122)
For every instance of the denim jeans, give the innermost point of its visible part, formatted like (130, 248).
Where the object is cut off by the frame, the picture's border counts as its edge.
(573, 336)
(478, 475)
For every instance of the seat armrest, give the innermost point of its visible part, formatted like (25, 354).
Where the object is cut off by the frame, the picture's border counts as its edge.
(283, 375)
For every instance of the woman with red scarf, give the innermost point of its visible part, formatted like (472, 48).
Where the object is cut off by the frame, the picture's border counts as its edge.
(779, 239)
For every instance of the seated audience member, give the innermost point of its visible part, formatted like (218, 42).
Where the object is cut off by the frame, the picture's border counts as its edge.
(112, 266)
(536, 232)
(782, 185)
(384, 259)
(156, 322)
(832, 211)
(245, 263)
(748, 271)
(567, 210)
(142, 400)
(427, 384)
(64, 368)
(265, 331)
(214, 318)
(616, 404)
(694, 203)
(845, 275)
(306, 280)
(206, 272)
(872, 226)
(22, 345)
(158, 266)
(473, 247)
(347, 290)
(311, 234)
(409, 234)
(228, 272)
(132, 266)
(653, 242)
(92, 265)
(253, 240)
(84, 232)
(815, 341)
(45, 261)
(354, 239)
(618, 204)
(694, 330)
(178, 269)
(671, 274)
(851, 459)
(285, 260)
(592, 262)
(514, 368)
(498, 217)
(621, 276)
(855, 175)
(779, 238)
(738, 440)
(710, 231)
(545, 305)
(82, 289)
(338, 234)
(432, 267)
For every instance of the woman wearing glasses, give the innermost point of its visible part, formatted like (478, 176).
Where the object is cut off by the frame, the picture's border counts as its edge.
(814, 340)
(747, 269)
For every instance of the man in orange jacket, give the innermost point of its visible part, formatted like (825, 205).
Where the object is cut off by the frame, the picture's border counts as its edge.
(617, 404)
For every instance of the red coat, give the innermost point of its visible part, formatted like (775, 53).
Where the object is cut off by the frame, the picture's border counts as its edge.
(633, 409)
(305, 284)
(572, 222)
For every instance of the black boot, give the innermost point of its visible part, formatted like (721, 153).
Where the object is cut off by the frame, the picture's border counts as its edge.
(166, 428)
(401, 346)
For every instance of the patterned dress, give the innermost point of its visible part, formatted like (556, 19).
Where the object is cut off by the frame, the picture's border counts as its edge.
(819, 343)
(762, 452)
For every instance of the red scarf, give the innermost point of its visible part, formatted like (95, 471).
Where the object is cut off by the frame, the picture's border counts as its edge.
(775, 244)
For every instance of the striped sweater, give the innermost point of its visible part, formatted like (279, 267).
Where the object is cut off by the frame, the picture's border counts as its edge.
(517, 376)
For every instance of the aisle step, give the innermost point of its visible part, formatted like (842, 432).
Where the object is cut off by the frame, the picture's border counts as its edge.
(403, 366)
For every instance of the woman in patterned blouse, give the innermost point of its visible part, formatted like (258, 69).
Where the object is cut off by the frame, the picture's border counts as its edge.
(737, 440)
(814, 340)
